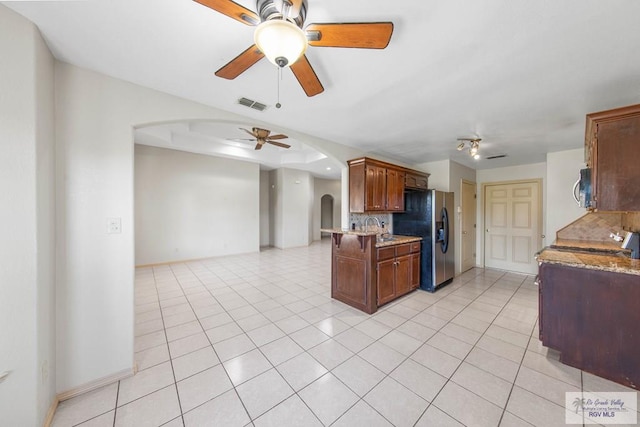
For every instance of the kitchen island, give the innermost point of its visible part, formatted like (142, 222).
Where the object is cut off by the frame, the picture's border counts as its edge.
(589, 308)
(368, 271)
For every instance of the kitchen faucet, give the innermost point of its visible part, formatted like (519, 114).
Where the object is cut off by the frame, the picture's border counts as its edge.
(366, 222)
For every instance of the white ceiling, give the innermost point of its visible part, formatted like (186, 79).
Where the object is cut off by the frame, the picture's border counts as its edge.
(519, 74)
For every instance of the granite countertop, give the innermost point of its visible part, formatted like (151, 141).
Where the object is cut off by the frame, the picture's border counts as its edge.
(590, 245)
(602, 258)
(396, 238)
(347, 231)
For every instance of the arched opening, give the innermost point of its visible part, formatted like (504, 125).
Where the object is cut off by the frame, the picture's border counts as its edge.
(326, 214)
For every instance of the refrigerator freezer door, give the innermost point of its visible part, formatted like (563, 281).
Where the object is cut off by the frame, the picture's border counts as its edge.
(438, 254)
(450, 253)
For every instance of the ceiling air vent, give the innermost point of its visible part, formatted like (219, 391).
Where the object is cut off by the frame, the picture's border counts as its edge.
(252, 104)
(497, 156)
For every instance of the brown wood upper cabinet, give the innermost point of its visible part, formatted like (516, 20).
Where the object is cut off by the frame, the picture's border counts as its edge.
(612, 151)
(416, 181)
(376, 186)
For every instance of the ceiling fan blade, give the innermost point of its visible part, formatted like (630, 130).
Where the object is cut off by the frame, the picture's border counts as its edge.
(279, 144)
(232, 10)
(278, 136)
(365, 35)
(259, 145)
(307, 76)
(247, 131)
(240, 63)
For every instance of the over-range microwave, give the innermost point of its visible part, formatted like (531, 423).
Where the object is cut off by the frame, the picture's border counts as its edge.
(583, 189)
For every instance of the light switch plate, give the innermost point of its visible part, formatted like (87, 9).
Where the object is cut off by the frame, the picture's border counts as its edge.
(114, 225)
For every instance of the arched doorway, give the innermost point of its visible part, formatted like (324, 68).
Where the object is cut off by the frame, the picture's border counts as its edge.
(326, 214)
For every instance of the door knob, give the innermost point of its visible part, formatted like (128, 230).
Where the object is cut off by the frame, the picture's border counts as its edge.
(487, 230)
(464, 232)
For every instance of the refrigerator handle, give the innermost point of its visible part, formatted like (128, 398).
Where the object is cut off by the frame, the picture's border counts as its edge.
(445, 225)
(575, 187)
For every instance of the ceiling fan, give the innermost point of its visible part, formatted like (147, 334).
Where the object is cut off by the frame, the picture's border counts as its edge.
(262, 136)
(279, 37)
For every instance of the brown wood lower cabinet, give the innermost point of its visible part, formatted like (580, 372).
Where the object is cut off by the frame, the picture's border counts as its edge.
(398, 269)
(366, 277)
(592, 318)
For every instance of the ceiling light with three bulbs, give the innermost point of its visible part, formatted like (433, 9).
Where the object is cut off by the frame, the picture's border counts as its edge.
(474, 146)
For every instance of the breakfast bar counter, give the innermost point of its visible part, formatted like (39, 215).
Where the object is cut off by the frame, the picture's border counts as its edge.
(369, 269)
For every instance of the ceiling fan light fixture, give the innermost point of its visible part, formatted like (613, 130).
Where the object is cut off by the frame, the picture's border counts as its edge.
(461, 146)
(474, 148)
(281, 41)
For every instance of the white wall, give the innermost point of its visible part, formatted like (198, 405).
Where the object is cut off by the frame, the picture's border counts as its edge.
(439, 178)
(46, 222)
(512, 173)
(265, 220)
(332, 187)
(457, 173)
(292, 200)
(191, 206)
(562, 172)
(27, 271)
(95, 117)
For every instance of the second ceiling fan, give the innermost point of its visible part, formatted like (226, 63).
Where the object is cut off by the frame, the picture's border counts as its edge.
(277, 17)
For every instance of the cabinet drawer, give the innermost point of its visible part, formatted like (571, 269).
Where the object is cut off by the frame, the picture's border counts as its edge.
(403, 249)
(386, 253)
(415, 247)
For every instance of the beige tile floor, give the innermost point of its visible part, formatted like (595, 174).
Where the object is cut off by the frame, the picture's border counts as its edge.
(256, 340)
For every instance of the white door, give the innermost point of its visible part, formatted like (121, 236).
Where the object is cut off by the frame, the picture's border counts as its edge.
(468, 226)
(512, 226)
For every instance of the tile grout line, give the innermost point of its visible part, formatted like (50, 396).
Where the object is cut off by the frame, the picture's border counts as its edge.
(267, 359)
(462, 361)
(524, 354)
(175, 383)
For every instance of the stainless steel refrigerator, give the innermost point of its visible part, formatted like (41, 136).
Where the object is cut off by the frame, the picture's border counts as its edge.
(430, 215)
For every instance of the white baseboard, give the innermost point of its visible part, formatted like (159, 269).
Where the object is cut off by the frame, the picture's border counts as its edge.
(51, 412)
(93, 385)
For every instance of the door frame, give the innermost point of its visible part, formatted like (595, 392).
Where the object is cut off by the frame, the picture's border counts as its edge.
(475, 208)
(539, 238)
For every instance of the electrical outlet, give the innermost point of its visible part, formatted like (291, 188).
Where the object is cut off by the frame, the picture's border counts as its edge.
(114, 226)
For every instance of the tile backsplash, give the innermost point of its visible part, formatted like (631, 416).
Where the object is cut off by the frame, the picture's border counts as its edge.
(597, 226)
(358, 219)
(594, 226)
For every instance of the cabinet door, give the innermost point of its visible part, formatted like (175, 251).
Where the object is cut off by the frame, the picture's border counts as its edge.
(617, 173)
(395, 190)
(403, 275)
(540, 305)
(415, 271)
(612, 151)
(376, 188)
(415, 181)
(386, 281)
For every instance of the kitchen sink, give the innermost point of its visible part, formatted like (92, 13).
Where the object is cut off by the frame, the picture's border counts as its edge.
(382, 239)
